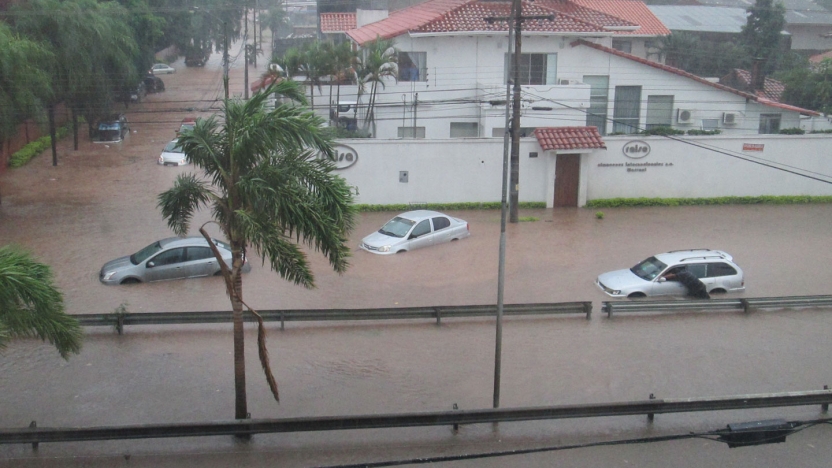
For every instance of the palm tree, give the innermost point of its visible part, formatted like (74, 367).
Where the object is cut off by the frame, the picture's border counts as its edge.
(268, 190)
(379, 62)
(31, 306)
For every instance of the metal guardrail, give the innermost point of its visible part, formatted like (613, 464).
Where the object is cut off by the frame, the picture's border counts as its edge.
(35, 435)
(119, 321)
(747, 305)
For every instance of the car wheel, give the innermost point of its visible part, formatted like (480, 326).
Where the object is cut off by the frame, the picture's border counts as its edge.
(130, 281)
(218, 273)
(637, 294)
(718, 291)
(401, 251)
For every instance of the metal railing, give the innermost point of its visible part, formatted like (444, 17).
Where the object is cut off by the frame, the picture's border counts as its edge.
(119, 321)
(35, 435)
(748, 304)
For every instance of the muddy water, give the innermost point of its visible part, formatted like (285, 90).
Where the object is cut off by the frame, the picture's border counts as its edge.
(100, 203)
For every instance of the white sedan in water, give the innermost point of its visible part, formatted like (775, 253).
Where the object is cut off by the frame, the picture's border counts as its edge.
(414, 230)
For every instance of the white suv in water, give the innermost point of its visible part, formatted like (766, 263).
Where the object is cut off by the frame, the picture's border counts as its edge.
(715, 268)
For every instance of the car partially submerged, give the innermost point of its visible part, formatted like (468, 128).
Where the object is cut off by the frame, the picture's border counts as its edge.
(173, 155)
(112, 129)
(414, 230)
(166, 259)
(654, 276)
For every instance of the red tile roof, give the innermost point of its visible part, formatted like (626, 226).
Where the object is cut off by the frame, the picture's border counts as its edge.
(569, 138)
(677, 71)
(337, 22)
(471, 17)
(772, 89)
(634, 11)
(435, 16)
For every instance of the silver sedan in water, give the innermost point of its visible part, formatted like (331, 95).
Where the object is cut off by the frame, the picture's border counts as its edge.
(414, 230)
(170, 258)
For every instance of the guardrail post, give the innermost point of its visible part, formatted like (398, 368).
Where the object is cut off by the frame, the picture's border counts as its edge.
(456, 425)
(588, 309)
(825, 407)
(607, 307)
(120, 324)
(34, 425)
(282, 321)
(651, 415)
(745, 306)
(438, 312)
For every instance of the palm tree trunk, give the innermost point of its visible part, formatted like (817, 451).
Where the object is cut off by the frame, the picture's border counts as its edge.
(50, 111)
(240, 403)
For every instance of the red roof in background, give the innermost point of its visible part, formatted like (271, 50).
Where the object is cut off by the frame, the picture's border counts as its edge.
(586, 14)
(569, 138)
(634, 11)
(402, 21)
(263, 82)
(471, 17)
(677, 71)
(772, 89)
(337, 22)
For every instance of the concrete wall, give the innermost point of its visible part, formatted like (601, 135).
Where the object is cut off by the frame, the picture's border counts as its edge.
(469, 170)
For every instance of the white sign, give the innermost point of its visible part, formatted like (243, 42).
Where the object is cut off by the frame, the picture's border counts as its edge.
(345, 156)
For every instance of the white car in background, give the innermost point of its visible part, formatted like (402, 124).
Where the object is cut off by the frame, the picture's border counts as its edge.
(414, 230)
(173, 155)
(714, 268)
(162, 69)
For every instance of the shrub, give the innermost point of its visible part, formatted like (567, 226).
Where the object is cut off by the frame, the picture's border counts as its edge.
(25, 154)
(704, 132)
(599, 215)
(765, 199)
(663, 130)
(445, 206)
(792, 131)
(821, 131)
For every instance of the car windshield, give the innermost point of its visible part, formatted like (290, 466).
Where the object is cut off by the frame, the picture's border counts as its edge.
(172, 148)
(397, 227)
(144, 253)
(648, 269)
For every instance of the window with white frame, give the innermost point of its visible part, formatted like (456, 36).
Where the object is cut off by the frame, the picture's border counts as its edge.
(627, 111)
(500, 132)
(413, 66)
(596, 115)
(464, 130)
(659, 111)
(411, 132)
(710, 124)
(622, 45)
(535, 69)
(770, 123)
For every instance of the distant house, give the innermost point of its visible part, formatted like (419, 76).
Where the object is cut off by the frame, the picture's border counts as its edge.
(745, 80)
(706, 22)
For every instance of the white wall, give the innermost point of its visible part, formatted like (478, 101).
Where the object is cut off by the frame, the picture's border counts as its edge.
(469, 170)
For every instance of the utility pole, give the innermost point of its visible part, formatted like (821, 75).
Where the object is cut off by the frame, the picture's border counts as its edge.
(245, 54)
(225, 59)
(254, 36)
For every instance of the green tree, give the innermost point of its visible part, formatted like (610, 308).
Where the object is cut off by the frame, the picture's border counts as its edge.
(809, 88)
(378, 62)
(31, 306)
(268, 190)
(762, 33)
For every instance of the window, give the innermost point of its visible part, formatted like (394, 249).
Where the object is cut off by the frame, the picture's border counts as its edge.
(769, 123)
(413, 66)
(198, 253)
(168, 257)
(464, 129)
(710, 124)
(627, 109)
(697, 270)
(659, 111)
(440, 223)
(411, 132)
(720, 269)
(535, 69)
(421, 229)
(622, 45)
(599, 90)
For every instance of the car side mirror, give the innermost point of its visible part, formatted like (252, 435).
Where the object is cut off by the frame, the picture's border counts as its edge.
(662, 279)
(150, 264)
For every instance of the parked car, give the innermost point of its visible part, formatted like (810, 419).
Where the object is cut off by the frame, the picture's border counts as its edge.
(714, 268)
(171, 258)
(173, 155)
(153, 84)
(197, 58)
(112, 128)
(414, 230)
(162, 69)
(188, 123)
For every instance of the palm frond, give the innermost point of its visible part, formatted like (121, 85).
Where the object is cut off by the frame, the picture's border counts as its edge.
(179, 204)
(31, 306)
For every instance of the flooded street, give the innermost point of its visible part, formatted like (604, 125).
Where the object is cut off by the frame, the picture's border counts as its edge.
(99, 203)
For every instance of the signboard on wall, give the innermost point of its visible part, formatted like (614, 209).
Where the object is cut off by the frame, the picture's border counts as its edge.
(345, 156)
(753, 147)
(636, 149)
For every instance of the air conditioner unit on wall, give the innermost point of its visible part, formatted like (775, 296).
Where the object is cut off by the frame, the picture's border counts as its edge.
(684, 116)
(730, 118)
(567, 82)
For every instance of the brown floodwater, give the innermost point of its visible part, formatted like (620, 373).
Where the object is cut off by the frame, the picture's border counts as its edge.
(100, 203)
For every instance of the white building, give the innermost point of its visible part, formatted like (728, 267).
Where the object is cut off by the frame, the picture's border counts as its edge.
(595, 65)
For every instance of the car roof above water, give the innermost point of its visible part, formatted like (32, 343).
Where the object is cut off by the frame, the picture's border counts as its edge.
(418, 215)
(183, 242)
(692, 256)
